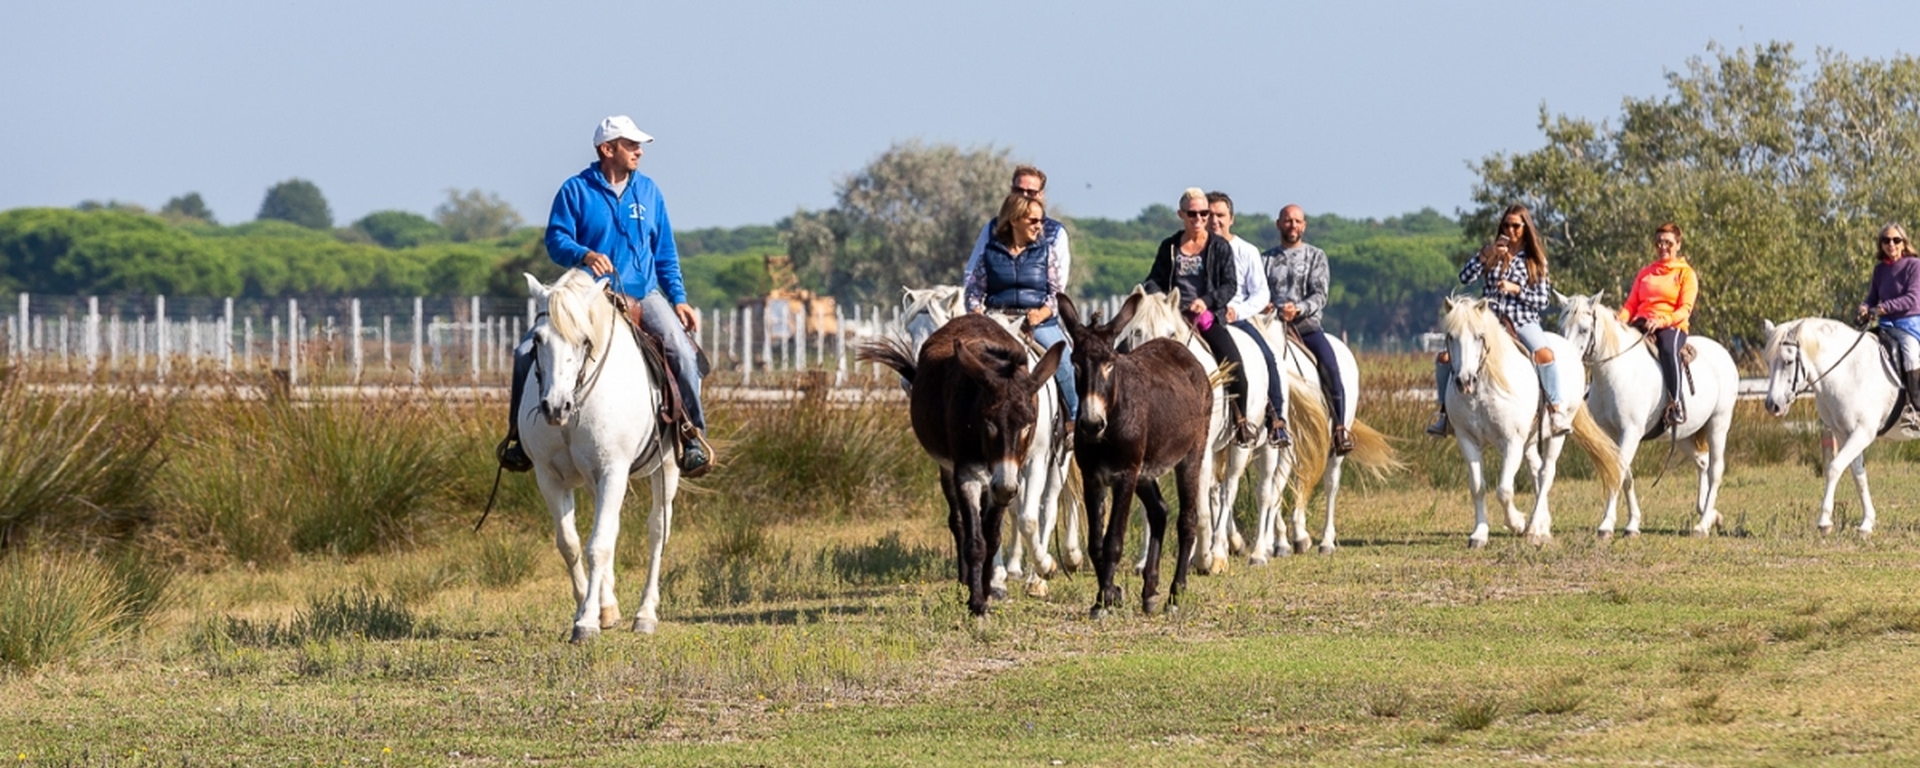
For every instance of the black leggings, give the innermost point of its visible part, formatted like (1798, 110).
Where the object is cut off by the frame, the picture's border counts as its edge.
(1670, 341)
(1316, 342)
(1225, 351)
(1276, 394)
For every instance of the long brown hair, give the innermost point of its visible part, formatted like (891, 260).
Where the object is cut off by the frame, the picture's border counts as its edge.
(1013, 213)
(1906, 247)
(1530, 242)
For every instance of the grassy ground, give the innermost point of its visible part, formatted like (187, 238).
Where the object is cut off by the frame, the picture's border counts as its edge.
(816, 622)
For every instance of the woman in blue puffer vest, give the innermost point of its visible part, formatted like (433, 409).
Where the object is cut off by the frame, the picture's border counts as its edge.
(1018, 273)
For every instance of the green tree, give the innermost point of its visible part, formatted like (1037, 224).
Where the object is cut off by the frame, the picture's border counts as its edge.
(297, 201)
(399, 229)
(908, 219)
(475, 215)
(188, 207)
(1778, 173)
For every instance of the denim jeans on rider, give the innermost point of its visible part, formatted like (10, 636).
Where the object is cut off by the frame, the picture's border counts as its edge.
(657, 316)
(1047, 334)
(1533, 338)
(1907, 335)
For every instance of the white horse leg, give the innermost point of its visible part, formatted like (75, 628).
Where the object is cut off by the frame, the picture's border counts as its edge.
(1715, 471)
(1330, 484)
(1866, 499)
(1056, 477)
(1510, 460)
(1477, 487)
(1843, 455)
(608, 493)
(1226, 537)
(1629, 486)
(1210, 552)
(565, 535)
(1266, 501)
(1075, 515)
(1540, 527)
(665, 484)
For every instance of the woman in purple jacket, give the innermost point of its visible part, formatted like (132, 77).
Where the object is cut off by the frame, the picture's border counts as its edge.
(1893, 296)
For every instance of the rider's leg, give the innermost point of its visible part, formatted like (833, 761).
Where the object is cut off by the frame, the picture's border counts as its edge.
(657, 316)
(511, 455)
(1048, 334)
(1906, 333)
(1669, 341)
(1535, 340)
(1276, 388)
(1220, 341)
(1316, 342)
(1442, 369)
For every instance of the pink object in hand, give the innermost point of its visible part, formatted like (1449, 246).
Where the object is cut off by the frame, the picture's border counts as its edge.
(1203, 321)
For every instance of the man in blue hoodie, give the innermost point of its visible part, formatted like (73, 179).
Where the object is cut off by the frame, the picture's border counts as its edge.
(610, 220)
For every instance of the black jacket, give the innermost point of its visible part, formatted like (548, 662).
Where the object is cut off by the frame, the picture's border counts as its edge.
(1216, 271)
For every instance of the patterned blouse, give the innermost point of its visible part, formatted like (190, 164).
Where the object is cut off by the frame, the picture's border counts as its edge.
(1518, 308)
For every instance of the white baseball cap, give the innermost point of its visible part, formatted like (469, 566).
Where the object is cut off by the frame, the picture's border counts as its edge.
(618, 127)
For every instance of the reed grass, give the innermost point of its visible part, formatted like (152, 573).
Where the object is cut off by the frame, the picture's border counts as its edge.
(72, 468)
(54, 607)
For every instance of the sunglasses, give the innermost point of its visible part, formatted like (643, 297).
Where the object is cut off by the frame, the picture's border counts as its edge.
(1033, 192)
(1512, 225)
(1192, 214)
(1892, 240)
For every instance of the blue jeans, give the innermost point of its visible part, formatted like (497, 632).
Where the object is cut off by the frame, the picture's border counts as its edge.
(1276, 386)
(1048, 333)
(657, 316)
(1533, 338)
(1907, 334)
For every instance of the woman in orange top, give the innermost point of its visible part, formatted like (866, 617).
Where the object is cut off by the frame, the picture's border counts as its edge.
(1660, 304)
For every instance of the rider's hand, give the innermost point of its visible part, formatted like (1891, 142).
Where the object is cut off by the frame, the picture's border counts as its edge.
(1198, 306)
(1232, 316)
(1038, 315)
(689, 317)
(1289, 311)
(597, 263)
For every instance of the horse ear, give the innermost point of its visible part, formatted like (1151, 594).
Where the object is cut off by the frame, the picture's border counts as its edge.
(1043, 370)
(1597, 296)
(1125, 315)
(1559, 298)
(534, 288)
(1766, 328)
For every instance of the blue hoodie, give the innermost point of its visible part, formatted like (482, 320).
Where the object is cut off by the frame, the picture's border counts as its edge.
(631, 229)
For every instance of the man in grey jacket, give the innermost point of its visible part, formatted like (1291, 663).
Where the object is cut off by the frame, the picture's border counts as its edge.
(1297, 286)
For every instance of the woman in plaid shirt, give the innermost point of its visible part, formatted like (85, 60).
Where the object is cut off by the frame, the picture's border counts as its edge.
(1513, 271)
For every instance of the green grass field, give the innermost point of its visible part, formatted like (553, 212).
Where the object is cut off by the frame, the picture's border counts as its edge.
(820, 625)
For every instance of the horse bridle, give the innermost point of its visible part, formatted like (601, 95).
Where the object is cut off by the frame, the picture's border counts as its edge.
(1593, 339)
(583, 382)
(1800, 363)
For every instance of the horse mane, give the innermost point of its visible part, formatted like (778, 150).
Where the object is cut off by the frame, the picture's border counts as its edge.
(1606, 324)
(1472, 317)
(576, 307)
(925, 299)
(1797, 330)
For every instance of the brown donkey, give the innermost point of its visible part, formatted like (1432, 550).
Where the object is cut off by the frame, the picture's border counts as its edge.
(1141, 413)
(974, 408)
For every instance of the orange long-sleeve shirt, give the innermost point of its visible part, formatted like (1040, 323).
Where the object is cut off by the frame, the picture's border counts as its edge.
(1663, 292)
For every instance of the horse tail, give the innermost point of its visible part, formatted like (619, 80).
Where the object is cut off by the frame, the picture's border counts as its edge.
(890, 352)
(1307, 414)
(1374, 451)
(1221, 374)
(1606, 456)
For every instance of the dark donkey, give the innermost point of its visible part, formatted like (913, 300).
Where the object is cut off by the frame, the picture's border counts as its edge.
(974, 408)
(1141, 413)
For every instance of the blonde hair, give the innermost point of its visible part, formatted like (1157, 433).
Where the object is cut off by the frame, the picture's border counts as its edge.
(1192, 193)
(1014, 211)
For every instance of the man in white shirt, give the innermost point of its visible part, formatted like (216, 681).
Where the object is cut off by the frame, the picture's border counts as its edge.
(1250, 299)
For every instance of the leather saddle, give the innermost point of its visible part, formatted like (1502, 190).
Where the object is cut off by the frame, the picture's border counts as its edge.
(673, 411)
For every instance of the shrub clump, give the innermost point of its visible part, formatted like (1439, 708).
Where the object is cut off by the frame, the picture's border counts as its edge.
(55, 606)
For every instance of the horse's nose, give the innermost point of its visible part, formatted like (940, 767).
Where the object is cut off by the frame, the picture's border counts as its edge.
(1465, 383)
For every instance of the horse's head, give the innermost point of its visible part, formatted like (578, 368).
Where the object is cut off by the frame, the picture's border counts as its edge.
(1786, 357)
(1157, 316)
(1010, 409)
(926, 309)
(1094, 355)
(572, 313)
(1468, 324)
(1582, 323)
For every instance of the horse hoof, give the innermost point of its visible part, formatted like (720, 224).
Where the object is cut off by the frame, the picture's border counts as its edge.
(1300, 546)
(1097, 613)
(997, 593)
(1606, 535)
(1633, 533)
(1046, 568)
(1826, 529)
(1326, 549)
(1073, 563)
(1539, 539)
(1236, 544)
(1037, 588)
(583, 635)
(1151, 604)
(1016, 573)
(1476, 543)
(1220, 565)
(609, 617)
(1281, 549)
(1257, 560)
(1866, 533)
(645, 626)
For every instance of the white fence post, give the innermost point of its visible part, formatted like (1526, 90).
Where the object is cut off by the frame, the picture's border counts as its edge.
(161, 344)
(355, 330)
(226, 336)
(293, 343)
(473, 338)
(416, 359)
(93, 334)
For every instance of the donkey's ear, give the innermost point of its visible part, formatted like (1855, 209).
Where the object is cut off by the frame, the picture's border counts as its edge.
(1069, 314)
(971, 360)
(1043, 370)
(534, 288)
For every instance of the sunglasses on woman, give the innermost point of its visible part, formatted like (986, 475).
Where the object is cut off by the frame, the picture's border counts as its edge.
(1196, 214)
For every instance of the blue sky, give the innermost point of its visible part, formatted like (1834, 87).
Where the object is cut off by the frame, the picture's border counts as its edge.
(1360, 108)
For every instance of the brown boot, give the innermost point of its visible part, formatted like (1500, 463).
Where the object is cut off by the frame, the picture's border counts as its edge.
(1342, 440)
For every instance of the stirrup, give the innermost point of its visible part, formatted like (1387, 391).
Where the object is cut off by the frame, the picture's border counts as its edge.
(511, 456)
(696, 454)
(1675, 414)
(1342, 440)
(1277, 434)
(1558, 421)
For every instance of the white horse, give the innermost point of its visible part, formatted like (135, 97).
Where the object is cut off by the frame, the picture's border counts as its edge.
(1042, 475)
(1628, 401)
(1854, 393)
(1310, 462)
(593, 422)
(1494, 400)
(1158, 316)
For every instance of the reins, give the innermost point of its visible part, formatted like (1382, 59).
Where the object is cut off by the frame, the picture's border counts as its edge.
(1799, 361)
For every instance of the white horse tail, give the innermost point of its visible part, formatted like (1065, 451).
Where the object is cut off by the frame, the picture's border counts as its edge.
(1222, 374)
(1606, 456)
(890, 352)
(1374, 451)
(1312, 440)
